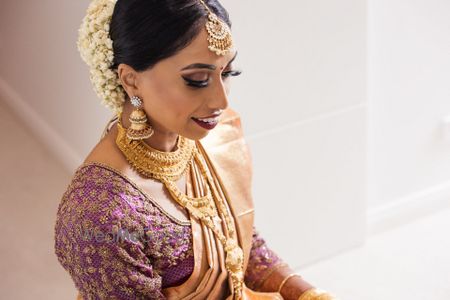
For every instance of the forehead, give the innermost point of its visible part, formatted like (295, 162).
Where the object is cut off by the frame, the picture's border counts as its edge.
(198, 52)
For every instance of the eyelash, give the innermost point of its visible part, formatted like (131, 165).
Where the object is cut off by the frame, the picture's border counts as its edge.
(204, 83)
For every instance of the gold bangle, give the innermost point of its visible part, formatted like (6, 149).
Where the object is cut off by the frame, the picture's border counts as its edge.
(316, 294)
(260, 283)
(286, 279)
(326, 296)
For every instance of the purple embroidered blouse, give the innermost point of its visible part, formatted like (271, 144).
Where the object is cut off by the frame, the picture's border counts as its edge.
(116, 243)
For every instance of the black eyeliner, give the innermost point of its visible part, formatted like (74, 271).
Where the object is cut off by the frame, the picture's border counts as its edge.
(204, 83)
(196, 83)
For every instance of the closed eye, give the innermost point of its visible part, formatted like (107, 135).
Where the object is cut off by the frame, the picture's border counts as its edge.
(196, 83)
(204, 83)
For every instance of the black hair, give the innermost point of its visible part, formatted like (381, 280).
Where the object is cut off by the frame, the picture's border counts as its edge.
(145, 32)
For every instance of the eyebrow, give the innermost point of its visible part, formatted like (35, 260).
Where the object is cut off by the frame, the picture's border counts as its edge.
(206, 66)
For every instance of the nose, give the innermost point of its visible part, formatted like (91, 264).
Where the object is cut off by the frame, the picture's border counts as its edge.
(219, 97)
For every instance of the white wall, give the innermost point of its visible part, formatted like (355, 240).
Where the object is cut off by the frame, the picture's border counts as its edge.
(302, 98)
(409, 94)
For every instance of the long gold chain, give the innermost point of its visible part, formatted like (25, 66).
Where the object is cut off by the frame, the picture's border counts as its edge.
(168, 167)
(234, 261)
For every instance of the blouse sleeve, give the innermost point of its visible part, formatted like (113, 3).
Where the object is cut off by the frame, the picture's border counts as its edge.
(98, 241)
(262, 262)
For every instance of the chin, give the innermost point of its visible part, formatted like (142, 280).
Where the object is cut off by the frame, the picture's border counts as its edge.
(196, 136)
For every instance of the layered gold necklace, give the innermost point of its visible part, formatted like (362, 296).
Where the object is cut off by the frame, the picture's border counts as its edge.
(168, 167)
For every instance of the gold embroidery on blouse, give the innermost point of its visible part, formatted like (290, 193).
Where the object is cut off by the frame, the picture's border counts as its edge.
(81, 260)
(144, 194)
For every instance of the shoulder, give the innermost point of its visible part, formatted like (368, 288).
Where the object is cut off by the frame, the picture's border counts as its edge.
(100, 237)
(97, 204)
(96, 196)
(107, 153)
(99, 192)
(99, 196)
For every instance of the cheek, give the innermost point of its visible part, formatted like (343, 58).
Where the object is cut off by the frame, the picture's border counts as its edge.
(173, 101)
(182, 104)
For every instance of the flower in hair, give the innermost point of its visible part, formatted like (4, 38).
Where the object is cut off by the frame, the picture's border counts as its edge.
(96, 50)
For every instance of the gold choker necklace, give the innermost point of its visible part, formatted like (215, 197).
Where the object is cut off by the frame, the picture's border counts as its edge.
(153, 163)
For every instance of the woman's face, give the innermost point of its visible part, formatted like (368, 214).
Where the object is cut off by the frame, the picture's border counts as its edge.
(191, 85)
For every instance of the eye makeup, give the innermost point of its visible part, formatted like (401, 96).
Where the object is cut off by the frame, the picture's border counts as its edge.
(196, 83)
(231, 73)
(204, 83)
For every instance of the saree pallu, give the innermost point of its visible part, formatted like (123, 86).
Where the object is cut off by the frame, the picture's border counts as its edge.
(225, 152)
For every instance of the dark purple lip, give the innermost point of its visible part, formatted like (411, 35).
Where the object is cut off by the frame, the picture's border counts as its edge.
(205, 125)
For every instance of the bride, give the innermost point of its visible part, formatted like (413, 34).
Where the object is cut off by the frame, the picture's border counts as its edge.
(161, 207)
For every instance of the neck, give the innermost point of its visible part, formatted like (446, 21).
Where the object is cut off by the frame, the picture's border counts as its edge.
(161, 139)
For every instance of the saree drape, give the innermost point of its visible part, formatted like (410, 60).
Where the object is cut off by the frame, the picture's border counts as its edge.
(228, 159)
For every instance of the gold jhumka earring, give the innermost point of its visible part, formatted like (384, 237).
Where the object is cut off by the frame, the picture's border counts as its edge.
(139, 128)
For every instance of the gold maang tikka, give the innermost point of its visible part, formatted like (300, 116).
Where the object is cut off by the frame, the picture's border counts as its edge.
(219, 34)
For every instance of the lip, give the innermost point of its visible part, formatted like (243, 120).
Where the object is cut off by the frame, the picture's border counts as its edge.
(205, 125)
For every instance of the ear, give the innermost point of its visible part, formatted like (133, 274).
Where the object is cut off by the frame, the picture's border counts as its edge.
(128, 76)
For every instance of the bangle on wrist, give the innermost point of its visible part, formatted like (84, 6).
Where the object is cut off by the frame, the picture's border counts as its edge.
(316, 294)
(285, 280)
(258, 284)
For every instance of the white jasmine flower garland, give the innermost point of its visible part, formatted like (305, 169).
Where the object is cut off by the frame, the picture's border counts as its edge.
(95, 47)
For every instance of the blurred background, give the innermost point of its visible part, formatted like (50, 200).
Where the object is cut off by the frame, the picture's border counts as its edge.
(346, 107)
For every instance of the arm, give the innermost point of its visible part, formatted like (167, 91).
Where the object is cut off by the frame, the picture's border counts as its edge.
(266, 271)
(103, 263)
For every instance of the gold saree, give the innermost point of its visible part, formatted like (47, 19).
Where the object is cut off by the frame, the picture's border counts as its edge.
(226, 153)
